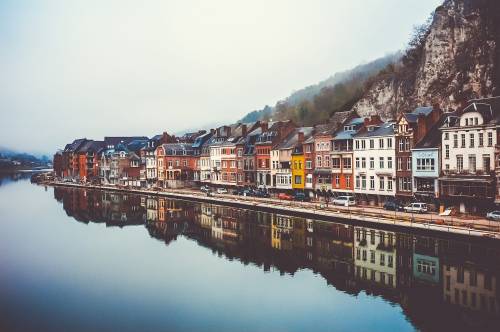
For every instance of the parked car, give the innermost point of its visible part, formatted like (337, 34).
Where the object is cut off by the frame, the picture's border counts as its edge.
(248, 192)
(344, 200)
(222, 191)
(300, 196)
(285, 196)
(393, 206)
(493, 215)
(237, 191)
(416, 207)
(261, 193)
(205, 188)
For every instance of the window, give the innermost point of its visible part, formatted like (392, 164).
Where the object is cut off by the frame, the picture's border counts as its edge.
(318, 161)
(400, 163)
(382, 259)
(327, 161)
(363, 144)
(389, 183)
(335, 162)
(298, 179)
(337, 180)
(401, 144)
(471, 140)
(446, 151)
(408, 164)
(357, 162)
(372, 256)
(404, 184)
(425, 164)
(372, 163)
(390, 260)
(381, 183)
(389, 162)
(472, 162)
(389, 143)
(446, 136)
(348, 181)
(481, 139)
(363, 182)
(381, 162)
(372, 183)
(372, 144)
(460, 163)
(486, 163)
(346, 162)
(356, 143)
(381, 143)
(463, 140)
(455, 140)
(363, 162)
(490, 139)
(308, 164)
(358, 181)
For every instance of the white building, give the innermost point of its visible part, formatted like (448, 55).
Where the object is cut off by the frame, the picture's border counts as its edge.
(468, 157)
(374, 169)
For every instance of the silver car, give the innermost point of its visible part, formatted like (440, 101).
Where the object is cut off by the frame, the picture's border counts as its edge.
(416, 207)
(493, 215)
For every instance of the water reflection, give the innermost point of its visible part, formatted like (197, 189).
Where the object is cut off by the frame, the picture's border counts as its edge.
(440, 283)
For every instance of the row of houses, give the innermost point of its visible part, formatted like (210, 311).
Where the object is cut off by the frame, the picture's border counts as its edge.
(446, 158)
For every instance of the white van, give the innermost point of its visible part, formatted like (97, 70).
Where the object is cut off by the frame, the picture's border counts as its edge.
(344, 200)
(417, 207)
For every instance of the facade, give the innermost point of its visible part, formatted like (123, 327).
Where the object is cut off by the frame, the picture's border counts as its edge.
(179, 164)
(468, 143)
(342, 154)
(215, 148)
(322, 174)
(267, 140)
(298, 161)
(374, 156)
(201, 157)
(410, 129)
(426, 164)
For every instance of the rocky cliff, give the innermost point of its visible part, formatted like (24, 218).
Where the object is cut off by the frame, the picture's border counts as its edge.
(458, 59)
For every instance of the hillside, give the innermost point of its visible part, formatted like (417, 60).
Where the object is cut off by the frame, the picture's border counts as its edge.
(454, 58)
(335, 91)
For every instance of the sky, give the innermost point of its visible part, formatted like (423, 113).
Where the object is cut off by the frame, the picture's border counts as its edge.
(95, 68)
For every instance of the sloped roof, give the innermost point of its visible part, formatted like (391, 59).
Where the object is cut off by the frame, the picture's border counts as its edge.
(433, 137)
(178, 149)
(385, 129)
(413, 116)
(114, 140)
(293, 138)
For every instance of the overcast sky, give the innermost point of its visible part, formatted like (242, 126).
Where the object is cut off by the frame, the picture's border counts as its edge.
(92, 68)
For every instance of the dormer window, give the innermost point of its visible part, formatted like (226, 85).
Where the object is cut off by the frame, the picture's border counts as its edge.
(370, 128)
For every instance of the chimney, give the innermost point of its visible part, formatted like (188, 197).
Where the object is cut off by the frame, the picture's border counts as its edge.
(264, 126)
(243, 130)
(228, 131)
(212, 131)
(375, 119)
(300, 137)
(218, 131)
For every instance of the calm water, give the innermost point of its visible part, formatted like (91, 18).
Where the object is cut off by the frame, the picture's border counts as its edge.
(91, 260)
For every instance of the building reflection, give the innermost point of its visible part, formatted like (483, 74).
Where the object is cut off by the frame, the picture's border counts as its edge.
(440, 283)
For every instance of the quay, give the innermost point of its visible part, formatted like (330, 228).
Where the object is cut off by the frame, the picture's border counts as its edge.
(357, 215)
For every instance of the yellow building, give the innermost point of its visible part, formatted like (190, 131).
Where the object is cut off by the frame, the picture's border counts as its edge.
(298, 168)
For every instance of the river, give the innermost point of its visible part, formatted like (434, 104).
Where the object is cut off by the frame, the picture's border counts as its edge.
(90, 260)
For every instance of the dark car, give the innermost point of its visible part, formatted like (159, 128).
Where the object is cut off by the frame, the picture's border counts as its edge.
(261, 193)
(393, 206)
(300, 196)
(237, 191)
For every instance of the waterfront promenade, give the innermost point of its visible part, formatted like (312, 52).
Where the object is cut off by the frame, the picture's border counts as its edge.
(465, 225)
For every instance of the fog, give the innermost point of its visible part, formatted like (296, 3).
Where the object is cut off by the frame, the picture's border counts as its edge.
(93, 68)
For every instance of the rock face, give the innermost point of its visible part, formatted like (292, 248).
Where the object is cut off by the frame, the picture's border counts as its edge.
(460, 60)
